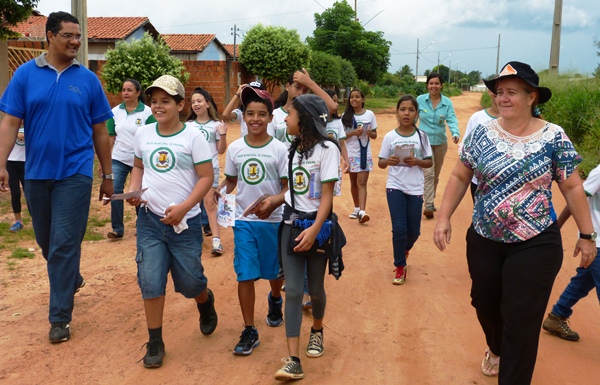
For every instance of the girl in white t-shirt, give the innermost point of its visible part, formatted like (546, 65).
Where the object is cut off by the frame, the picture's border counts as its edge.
(361, 127)
(204, 117)
(314, 170)
(407, 151)
(127, 118)
(15, 165)
(173, 163)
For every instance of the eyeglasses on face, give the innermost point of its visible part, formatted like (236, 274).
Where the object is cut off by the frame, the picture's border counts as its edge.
(70, 36)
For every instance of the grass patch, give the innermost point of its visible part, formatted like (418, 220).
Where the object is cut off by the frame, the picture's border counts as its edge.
(20, 253)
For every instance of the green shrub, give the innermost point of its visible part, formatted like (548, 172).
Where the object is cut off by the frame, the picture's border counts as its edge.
(575, 106)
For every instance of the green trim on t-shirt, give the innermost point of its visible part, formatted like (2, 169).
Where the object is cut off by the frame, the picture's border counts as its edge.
(264, 145)
(140, 107)
(168, 136)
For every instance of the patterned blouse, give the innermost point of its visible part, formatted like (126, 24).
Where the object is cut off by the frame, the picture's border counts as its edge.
(515, 174)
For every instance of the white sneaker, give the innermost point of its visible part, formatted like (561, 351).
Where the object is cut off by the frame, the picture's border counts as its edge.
(354, 214)
(363, 217)
(217, 248)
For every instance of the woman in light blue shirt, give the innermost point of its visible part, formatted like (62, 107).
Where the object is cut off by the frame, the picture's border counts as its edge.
(435, 112)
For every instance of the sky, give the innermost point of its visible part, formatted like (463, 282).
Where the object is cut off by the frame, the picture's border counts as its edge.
(464, 32)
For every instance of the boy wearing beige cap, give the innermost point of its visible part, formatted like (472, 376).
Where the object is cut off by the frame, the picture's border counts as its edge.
(173, 162)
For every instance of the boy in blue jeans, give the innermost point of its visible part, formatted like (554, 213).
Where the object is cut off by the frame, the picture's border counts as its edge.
(256, 165)
(586, 279)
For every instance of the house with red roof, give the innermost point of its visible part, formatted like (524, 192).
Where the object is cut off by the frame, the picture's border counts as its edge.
(196, 47)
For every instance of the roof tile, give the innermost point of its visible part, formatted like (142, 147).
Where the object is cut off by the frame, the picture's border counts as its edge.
(188, 42)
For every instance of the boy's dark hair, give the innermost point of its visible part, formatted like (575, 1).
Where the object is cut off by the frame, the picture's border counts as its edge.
(309, 135)
(53, 24)
(282, 99)
(255, 98)
(348, 118)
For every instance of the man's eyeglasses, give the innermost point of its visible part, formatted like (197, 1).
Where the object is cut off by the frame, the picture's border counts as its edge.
(70, 36)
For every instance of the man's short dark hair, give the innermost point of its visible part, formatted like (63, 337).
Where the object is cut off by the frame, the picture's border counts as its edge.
(56, 18)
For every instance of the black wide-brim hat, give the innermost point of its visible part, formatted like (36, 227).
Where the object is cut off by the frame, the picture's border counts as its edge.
(515, 69)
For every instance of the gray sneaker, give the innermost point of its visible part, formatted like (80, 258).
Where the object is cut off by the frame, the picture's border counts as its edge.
(315, 346)
(292, 370)
(560, 327)
(59, 332)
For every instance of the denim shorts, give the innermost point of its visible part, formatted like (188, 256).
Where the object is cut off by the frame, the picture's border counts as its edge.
(160, 250)
(255, 251)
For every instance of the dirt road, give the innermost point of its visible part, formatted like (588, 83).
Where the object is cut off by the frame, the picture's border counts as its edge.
(424, 332)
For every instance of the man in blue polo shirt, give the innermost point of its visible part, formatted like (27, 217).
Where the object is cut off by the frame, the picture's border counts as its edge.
(64, 110)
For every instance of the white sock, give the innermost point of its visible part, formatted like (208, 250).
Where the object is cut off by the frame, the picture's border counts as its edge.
(216, 239)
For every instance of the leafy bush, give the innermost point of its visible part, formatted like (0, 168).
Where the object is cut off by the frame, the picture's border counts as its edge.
(575, 106)
(273, 53)
(144, 60)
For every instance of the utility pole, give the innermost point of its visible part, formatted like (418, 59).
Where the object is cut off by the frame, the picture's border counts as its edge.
(234, 32)
(555, 45)
(498, 56)
(79, 10)
(355, 12)
(417, 67)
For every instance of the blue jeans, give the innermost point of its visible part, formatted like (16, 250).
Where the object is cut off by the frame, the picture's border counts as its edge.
(59, 213)
(581, 284)
(203, 214)
(160, 250)
(405, 212)
(120, 171)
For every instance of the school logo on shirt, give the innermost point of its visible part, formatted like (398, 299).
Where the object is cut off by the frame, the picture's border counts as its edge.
(205, 133)
(138, 122)
(20, 142)
(332, 134)
(162, 159)
(301, 180)
(253, 171)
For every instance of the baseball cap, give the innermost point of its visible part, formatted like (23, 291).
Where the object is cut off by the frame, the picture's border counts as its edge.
(317, 109)
(257, 85)
(250, 91)
(522, 71)
(170, 84)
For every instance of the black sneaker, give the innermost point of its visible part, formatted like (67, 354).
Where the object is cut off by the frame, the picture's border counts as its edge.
(59, 332)
(248, 341)
(208, 315)
(207, 230)
(82, 283)
(155, 351)
(292, 370)
(275, 316)
(315, 346)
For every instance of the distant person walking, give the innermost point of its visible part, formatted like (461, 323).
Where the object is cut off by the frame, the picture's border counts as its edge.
(435, 112)
(64, 109)
(361, 126)
(128, 117)
(16, 178)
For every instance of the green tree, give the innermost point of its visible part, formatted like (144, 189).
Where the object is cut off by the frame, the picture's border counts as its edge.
(144, 60)
(325, 69)
(13, 12)
(339, 34)
(405, 70)
(348, 76)
(273, 53)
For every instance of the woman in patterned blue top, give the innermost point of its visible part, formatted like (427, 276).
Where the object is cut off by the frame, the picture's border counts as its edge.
(514, 248)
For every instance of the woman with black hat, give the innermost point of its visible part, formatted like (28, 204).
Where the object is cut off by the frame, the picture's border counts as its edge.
(514, 248)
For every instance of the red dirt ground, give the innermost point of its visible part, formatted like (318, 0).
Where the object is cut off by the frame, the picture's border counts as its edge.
(424, 332)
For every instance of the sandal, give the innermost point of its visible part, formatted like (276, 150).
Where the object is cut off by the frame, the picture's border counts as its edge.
(490, 366)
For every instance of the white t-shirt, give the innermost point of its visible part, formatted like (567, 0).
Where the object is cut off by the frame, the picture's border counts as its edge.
(592, 189)
(169, 165)
(407, 179)
(476, 119)
(366, 121)
(335, 130)
(239, 117)
(125, 126)
(281, 134)
(18, 152)
(259, 170)
(211, 134)
(321, 167)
